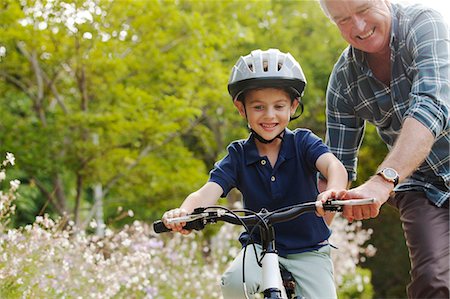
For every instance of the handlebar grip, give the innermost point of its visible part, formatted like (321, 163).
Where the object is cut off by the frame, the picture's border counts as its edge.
(159, 227)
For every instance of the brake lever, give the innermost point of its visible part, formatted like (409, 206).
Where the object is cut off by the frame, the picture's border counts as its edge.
(198, 214)
(187, 218)
(328, 206)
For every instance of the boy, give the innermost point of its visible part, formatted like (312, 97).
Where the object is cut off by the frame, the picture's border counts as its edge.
(275, 167)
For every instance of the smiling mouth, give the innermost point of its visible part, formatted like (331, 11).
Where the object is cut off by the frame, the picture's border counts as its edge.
(367, 35)
(268, 126)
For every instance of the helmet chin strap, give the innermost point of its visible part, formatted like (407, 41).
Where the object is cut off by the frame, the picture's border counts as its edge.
(259, 137)
(265, 141)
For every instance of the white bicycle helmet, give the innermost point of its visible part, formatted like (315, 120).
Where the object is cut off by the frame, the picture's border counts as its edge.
(270, 68)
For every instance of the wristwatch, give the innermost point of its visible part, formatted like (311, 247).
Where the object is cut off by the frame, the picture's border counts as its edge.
(390, 175)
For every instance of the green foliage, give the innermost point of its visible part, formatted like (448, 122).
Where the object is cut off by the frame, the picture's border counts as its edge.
(356, 285)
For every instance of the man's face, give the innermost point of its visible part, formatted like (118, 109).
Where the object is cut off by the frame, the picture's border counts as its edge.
(365, 24)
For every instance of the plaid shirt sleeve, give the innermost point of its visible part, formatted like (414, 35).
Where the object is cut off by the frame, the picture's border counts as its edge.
(344, 129)
(427, 41)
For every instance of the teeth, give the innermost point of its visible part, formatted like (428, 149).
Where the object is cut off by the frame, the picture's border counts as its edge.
(268, 126)
(366, 35)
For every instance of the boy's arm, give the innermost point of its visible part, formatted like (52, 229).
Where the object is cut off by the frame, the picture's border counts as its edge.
(203, 197)
(336, 175)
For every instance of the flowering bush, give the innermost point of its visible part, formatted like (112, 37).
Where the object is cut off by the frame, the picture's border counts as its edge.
(52, 259)
(352, 282)
(7, 207)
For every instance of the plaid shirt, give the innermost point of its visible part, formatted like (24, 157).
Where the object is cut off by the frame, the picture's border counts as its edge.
(419, 89)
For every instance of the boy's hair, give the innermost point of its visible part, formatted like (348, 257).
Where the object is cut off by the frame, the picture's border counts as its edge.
(270, 68)
(293, 94)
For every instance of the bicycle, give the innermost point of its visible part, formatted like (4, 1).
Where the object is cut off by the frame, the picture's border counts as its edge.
(272, 283)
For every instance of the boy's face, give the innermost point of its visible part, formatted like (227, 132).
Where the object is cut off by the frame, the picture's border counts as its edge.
(268, 111)
(365, 24)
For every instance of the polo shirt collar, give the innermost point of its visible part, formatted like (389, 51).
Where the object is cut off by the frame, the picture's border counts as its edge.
(286, 152)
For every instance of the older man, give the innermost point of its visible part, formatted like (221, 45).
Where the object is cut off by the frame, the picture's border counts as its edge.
(395, 74)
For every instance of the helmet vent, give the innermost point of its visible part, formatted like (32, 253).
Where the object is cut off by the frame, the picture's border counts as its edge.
(265, 66)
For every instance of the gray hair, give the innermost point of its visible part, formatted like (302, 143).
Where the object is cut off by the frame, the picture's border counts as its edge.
(324, 8)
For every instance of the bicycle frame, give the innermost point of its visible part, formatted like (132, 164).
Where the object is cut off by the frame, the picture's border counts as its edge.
(272, 284)
(264, 220)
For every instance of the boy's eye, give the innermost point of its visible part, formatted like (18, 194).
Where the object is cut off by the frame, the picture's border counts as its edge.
(279, 107)
(258, 107)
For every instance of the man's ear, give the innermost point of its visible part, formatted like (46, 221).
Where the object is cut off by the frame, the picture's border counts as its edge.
(240, 106)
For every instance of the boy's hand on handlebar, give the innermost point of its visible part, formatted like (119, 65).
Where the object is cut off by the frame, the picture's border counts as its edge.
(175, 227)
(323, 197)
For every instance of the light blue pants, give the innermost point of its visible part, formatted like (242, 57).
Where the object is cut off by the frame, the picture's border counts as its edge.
(312, 271)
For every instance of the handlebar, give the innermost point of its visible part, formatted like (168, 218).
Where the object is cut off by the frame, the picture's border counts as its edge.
(202, 216)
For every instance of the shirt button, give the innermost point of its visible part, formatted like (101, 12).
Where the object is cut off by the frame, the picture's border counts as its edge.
(263, 162)
(272, 178)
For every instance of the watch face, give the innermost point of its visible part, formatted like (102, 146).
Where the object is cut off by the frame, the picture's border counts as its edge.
(390, 173)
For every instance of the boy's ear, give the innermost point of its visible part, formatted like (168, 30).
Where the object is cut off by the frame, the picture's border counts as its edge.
(294, 107)
(240, 106)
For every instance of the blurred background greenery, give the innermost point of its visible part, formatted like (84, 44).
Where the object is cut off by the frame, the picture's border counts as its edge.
(112, 106)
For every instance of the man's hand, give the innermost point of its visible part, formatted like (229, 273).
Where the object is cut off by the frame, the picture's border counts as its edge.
(376, 187)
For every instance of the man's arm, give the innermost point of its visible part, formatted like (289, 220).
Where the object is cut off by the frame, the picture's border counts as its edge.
(410, 150)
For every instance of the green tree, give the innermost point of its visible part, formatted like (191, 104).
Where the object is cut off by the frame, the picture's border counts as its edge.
(89, 100)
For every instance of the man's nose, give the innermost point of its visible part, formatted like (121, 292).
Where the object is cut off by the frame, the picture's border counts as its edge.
(359, 22)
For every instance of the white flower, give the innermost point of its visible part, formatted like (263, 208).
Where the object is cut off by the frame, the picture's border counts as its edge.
(14, 185)
(9, 158)
(126, 243)
(108, 232)
(93, 224)
(2, 175)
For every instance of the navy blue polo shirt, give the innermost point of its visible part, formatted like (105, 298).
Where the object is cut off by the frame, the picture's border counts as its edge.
(292, 180)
